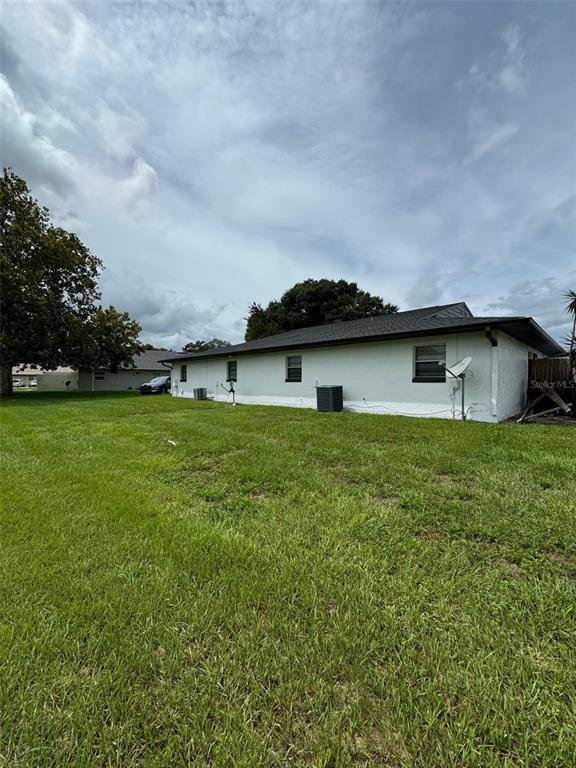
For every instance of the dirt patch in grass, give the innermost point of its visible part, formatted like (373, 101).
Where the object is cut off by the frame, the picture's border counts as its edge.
(387, 501)
(510, 570)
(369, 748)
(202, 469)
(351, 475)
(485, 541)
(466, 483)
(339, 472)
(368, 744)
(431, 534)
(263, 494)
(564, 559)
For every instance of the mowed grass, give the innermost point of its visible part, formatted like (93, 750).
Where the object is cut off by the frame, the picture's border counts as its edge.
(283, 587)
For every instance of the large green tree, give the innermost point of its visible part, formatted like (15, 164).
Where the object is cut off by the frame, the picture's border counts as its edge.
(204, 346)
(314, 302)
(152, 348)
(49, 311)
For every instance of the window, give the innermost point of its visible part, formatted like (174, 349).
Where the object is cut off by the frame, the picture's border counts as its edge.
(294, 368)
(231, 370)
(99, 375)
(427, 363)
(184, 372)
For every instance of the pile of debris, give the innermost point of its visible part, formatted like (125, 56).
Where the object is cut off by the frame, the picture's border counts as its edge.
(551, 380)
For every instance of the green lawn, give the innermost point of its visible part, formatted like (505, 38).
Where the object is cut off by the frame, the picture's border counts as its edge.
(282, 588)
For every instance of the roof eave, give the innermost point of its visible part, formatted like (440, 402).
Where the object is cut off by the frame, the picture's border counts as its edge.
(343, 342)
(547, 345)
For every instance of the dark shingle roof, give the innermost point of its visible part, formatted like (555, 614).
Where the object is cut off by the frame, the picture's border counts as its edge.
(150, 360)
(445, 318)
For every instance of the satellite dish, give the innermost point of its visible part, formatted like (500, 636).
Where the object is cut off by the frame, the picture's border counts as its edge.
(457, 370)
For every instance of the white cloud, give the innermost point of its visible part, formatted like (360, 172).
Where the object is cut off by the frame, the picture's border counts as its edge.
(491, 138)
(511, 76)
(503, 70)
(140, 183)
(120, 130)
(222, 152)
(23, 143)
(170, 318)
(428, 288)
(543, 299)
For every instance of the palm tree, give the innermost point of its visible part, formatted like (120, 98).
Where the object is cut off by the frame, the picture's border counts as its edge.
(570, 297)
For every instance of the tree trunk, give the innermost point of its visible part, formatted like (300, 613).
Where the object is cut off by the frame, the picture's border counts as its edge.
(6, 379)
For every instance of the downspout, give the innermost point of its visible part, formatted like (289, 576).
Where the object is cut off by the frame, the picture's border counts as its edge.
(493, 371)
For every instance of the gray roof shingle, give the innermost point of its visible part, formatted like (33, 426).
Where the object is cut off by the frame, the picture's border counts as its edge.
(415, 322)
(150, 360)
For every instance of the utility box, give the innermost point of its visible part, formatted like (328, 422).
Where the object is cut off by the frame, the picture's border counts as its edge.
(201, 393)
(329, 397)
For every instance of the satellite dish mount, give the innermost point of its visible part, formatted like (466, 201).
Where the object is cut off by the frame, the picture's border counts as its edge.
(230, 389)
(458, 371)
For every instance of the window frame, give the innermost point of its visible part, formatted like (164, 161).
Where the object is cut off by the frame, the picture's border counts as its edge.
(428, 379)
(288, 368)
(229, 377)
(99, 374)
(183, 372)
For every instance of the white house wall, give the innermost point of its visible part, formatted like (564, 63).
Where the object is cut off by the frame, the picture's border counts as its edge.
(117, 382)
(376, 378)
(512, 375)
(56, 382)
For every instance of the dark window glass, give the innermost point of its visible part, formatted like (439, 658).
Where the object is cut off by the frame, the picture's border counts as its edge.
(294, 368)
(232, 370)
(428, 363)
(184, 372)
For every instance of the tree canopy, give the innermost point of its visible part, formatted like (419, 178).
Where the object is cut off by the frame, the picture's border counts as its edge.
(151, 347)
(203, 346)
(49, 313)
(314, 302)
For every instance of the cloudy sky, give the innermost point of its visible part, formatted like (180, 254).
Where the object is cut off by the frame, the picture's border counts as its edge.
(214, 153)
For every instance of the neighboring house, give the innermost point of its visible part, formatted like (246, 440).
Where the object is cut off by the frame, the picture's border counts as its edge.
(386, 364)
(146, 366)
(60, 379)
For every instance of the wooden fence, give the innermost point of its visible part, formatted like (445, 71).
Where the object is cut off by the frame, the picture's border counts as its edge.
(554, 370)
(552, 373)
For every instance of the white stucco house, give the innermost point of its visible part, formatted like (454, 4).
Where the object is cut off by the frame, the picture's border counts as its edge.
(391, 364)
(61, 379)
(147, 365)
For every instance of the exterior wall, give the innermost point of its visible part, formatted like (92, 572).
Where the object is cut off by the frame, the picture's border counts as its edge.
(47, 381)
(512, 385)
(56, 382)
(118, 382)
(26, 378)
(376, 377)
